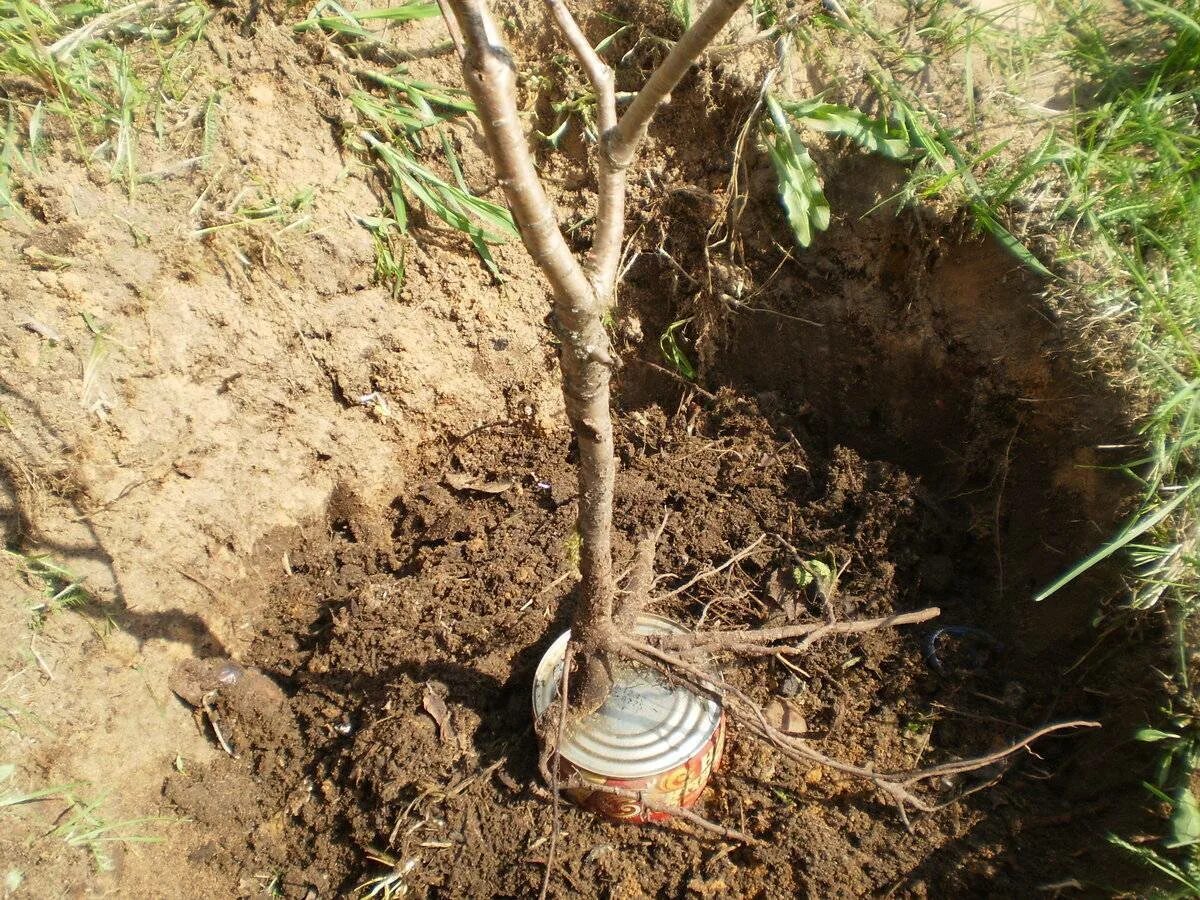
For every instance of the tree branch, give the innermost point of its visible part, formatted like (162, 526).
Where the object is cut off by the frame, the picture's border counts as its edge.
(610, 210)
(633, 124)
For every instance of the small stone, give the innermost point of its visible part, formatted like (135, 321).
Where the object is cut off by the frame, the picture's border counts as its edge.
(791, 686)
(785, 716)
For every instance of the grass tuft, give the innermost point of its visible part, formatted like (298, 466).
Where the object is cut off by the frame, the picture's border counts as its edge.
(72, 68)
(81, 825)
(396, 124)
(61, 588)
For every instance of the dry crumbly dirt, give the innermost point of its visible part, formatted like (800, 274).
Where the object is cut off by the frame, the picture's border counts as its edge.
(900, 396)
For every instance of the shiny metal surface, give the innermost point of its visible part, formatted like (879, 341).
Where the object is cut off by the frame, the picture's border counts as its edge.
(646, 727)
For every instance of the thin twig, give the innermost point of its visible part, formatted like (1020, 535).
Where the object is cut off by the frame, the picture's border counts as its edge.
(551, 776)
(707, 395)
(641, 580)
(456, 35)
(703, 576)
(40, 659)
(210, 713)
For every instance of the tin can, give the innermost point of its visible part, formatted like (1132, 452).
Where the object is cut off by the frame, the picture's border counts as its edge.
(653, 737)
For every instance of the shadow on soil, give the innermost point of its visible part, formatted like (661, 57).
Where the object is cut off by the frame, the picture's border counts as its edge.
(20, 533)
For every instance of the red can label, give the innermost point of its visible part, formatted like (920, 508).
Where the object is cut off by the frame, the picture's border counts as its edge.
(680, 786)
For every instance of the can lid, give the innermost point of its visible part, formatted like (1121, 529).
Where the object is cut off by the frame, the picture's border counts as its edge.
(647, 725)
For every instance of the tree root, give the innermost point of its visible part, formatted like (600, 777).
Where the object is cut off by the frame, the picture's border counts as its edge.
(761, 641)
(684, 658)
(640, 581)
(897, 786)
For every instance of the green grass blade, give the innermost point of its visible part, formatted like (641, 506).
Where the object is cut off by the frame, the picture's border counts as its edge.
(1131, 532)
(407, 12)
(1162, 11)
(873, 135)
(1150, 858)
(674, 353)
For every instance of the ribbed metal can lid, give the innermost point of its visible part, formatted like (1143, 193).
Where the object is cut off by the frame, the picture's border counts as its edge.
(647, 725)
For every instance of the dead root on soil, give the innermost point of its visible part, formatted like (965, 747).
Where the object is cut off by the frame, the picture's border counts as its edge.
(684, 658)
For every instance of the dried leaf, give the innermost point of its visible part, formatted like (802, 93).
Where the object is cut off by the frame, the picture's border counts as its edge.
(436, 707)
(775, 588)
(785, 599)
(462, 481)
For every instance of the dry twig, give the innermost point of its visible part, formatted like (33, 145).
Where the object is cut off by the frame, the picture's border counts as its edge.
(704, 576)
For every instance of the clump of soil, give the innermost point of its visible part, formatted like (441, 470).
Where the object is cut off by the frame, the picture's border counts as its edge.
(473, 581)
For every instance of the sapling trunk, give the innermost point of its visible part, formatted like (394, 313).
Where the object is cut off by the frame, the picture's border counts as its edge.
(582, 294)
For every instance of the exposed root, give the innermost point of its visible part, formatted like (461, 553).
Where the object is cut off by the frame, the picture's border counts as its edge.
(897, 786)
(208, 703)
(640, 581)
(685, 658)
(762, 641)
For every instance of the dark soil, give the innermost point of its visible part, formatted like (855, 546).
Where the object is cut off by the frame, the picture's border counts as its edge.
(465, 590)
